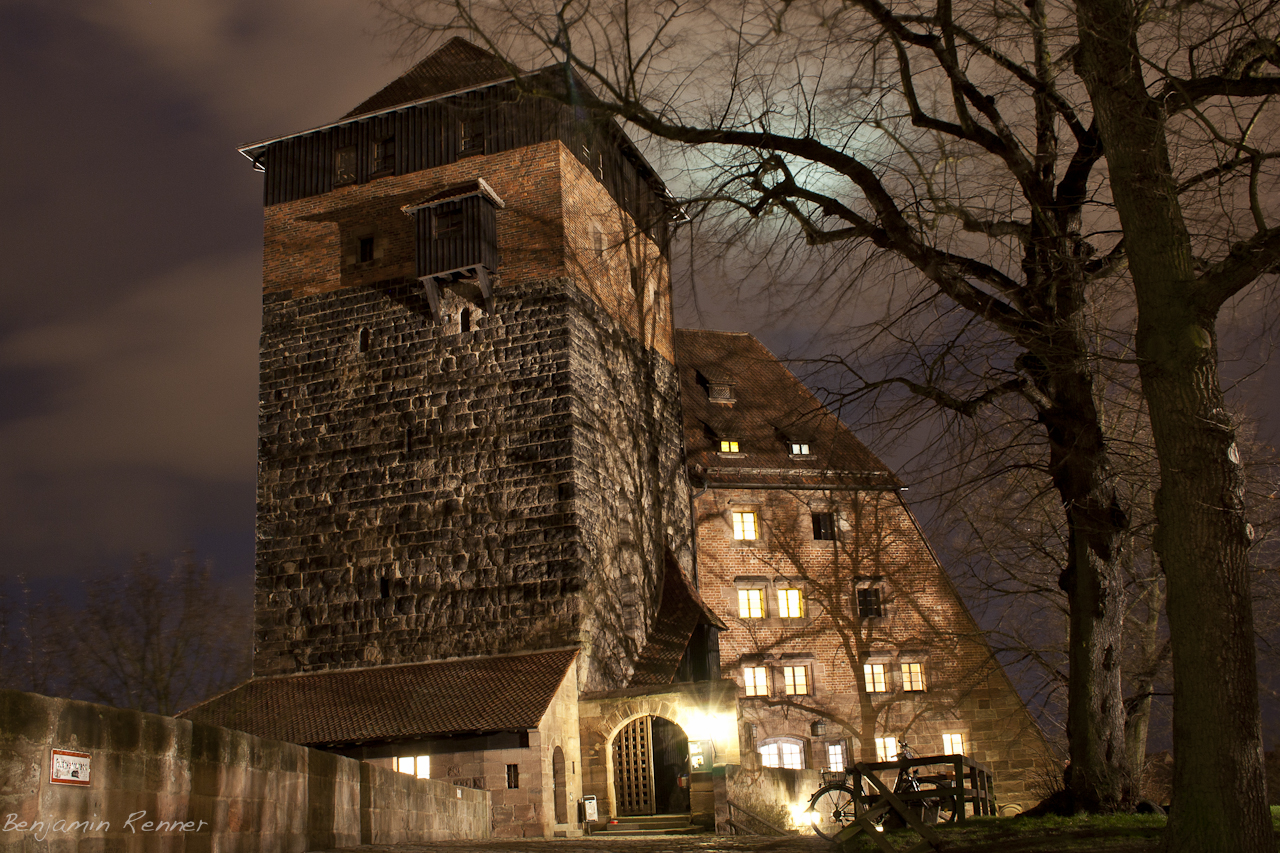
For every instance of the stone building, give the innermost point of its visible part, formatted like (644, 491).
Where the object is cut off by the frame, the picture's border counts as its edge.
(476, 556)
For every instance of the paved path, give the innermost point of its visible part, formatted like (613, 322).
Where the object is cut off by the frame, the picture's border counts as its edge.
(650, 844)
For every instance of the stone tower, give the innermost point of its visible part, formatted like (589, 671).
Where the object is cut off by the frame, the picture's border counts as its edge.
(469, 430)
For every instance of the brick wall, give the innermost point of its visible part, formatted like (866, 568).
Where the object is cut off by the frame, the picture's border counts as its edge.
(877, 544)
(160, 784)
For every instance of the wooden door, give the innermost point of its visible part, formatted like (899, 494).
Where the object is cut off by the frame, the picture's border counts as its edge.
(633, 767)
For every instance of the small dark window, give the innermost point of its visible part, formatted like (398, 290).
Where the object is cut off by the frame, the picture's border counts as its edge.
(824, 525)
(869, 604)
(448, 221)
(408, 439)
(344, 165)
(471, 136)
(366, 249)
(513, 775)
(386, 588)
(364, 340)
(464, 323)
(384, 155)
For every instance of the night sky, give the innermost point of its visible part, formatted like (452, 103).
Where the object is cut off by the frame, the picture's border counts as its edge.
(129, 293)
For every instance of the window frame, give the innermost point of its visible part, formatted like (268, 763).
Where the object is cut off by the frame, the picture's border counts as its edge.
(346, 165)
(874, 675)
(947, 743)
(889, 743)
(790, 682)
(730, 445)
(827, 526)
(796, 749)
(736, 528)
(910, 679)
(745, 592)
(785, 607)
(757, 683)
(867, 590)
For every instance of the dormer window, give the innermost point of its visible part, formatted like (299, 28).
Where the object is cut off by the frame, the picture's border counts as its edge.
(720, 391)
(728, 445)
(384, 155)
(456, 238)
(799, 448)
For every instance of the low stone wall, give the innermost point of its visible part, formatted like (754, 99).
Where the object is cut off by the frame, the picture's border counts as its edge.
(769, 792)
(161, 784)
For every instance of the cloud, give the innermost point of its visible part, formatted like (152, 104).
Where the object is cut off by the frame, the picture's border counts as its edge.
(265, 68)
(151, 397)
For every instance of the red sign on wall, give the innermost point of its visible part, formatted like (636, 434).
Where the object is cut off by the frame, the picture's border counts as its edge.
(69, 768)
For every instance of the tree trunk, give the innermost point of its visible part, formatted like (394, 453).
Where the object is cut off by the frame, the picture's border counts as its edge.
(1219, 801)
(1099, 778)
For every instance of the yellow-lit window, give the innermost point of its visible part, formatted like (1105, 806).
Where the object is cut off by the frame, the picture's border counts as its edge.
(757, 680)
(835, 756)
(415, 765)
(886, 749)
(751, 603)
(875, 678)
(744, 526)
(728, 446)
(797, 679)
(790, 604)
(952, 745)
(913, 677)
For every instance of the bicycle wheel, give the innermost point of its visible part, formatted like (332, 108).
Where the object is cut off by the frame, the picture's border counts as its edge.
(835, 806)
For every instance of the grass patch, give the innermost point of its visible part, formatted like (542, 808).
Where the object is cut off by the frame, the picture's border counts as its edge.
(1119, 833)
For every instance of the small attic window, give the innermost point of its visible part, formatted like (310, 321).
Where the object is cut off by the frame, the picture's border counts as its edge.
(344, 166)
(384, 155)
(798, 448)
(728, 445)
(471, 136)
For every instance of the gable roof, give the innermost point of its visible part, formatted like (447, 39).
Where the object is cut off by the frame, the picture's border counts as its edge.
(771, 408)
(401, 702)
(459, 64)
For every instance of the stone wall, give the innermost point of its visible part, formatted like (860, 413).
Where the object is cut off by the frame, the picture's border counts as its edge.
(157, 783)
(771, 793)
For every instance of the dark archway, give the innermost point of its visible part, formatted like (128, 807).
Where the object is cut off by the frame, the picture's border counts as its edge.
(560, 785)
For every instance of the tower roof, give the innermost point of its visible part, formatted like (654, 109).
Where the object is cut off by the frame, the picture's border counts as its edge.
(459, 64)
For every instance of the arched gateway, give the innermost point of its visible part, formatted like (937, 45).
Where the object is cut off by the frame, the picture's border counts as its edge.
(651, 767)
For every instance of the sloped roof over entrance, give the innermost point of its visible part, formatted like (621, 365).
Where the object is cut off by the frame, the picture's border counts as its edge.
(680, 612)
(387, 703)
(457, 65)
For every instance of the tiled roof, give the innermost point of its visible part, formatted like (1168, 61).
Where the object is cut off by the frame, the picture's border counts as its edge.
(680, 611)
(470, 695)
(457, 65)
(771, 408)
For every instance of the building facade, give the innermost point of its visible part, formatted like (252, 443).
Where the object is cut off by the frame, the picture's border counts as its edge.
(479, 556)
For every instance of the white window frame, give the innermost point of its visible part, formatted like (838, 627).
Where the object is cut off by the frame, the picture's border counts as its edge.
(835, 757)
(745, 521)
(796, 680)
(414, 765)
(886, 749)
(785, 753)
(745, 596)
(913, 677)
(953, 744)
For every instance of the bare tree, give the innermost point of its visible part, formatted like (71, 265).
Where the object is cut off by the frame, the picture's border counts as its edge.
(154, 639)
(969, 143)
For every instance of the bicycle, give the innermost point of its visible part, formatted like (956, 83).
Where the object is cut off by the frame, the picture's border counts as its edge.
(836, 804)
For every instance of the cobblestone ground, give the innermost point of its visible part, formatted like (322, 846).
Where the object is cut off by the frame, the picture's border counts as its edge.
(649, 844)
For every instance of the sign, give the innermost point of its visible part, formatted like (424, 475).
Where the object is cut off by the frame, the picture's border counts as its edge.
(69, 768)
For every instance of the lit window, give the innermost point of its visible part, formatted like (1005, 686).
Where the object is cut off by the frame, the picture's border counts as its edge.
(756, 679)
(728, 447)
(824, 525)
(751, 603)
(798, 449)
(415, 765)
(797, 679)
(782, 753)
(790, 604)
(952, 745)
(835, 756)
(874, 675)
(744, 525)
(912, 677)
(869, 603)
(886, 749)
